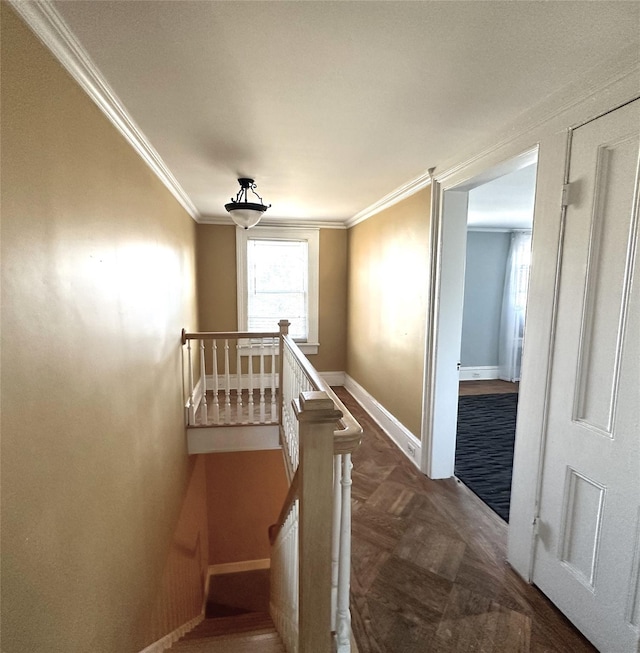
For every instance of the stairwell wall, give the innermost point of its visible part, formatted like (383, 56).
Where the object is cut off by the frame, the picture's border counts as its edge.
(104, 522)
(246, 490)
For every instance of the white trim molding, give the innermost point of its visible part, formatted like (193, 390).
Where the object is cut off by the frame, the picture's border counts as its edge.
(239, 567)
(390, 199)
(171, 638)
(244, 437)
(479, 373)
(557, 111)
(45, 21)
(333, 378)
(283, 223)
(408, 444)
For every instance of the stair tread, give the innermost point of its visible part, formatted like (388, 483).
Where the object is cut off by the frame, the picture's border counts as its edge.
(250, 632)
(236, 624)
(260, 632)
(269, 643)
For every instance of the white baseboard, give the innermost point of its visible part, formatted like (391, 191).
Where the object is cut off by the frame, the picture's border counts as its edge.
(482, 373)
(237, 567)
(250, 437)
(333, 378)
(171, 638)
(410, 446)
(168, 640)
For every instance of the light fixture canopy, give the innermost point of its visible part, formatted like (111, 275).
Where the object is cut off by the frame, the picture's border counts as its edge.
(244, 213)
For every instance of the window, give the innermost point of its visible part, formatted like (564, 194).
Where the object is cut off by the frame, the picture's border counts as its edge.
(278, 278)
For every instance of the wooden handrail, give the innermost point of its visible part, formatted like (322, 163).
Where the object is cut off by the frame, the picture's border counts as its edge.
(292, 495)
(347, 439)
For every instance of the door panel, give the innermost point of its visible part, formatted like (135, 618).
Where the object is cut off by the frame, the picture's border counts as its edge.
(587, 555)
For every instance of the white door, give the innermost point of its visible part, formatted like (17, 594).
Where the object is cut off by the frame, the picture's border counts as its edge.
(588, 551)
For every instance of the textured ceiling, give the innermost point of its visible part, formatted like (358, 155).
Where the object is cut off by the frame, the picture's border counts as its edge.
(332, 105)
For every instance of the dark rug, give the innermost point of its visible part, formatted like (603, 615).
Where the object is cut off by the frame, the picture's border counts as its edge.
(484, 447)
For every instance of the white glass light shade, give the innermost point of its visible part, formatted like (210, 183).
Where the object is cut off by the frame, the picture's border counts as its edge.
(246, 218)
(244, 213)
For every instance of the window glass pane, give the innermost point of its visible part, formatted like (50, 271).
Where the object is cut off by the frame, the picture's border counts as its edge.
(277, 285)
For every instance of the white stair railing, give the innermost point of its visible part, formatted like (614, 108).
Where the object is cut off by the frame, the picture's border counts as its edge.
(231, 378)
(318, 458)
(238, 375)
(284, 567)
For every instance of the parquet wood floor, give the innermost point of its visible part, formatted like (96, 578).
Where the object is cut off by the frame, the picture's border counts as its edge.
(429, 569)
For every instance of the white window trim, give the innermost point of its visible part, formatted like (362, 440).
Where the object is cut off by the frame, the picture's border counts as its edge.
(312, 236)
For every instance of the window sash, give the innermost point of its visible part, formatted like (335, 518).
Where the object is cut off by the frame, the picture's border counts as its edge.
(277, 285)
(306, 330)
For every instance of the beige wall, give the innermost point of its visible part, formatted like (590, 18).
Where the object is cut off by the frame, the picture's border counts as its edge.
(246, 490)
(388, 268)
(104, 533)
(216, 264)
(216, 274)
(332, 355)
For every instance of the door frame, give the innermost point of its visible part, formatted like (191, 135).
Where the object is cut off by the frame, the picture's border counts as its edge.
(449, 204)
(551, 138)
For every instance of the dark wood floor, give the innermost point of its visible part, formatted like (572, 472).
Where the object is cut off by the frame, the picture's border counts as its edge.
(489, 387)
(429, 569)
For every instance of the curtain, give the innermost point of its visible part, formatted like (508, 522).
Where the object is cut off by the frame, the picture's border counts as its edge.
(514, 304)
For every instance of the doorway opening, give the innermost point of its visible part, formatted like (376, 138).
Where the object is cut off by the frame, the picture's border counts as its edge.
(498, 254)
(483, 227)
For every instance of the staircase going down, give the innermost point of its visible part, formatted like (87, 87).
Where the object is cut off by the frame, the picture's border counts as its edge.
(251, 632)
(237, 618)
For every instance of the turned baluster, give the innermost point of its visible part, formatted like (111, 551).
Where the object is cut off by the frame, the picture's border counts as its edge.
(227, 383)
(335, 544)
(238, 383)
(250, 361)
(192, 413)
(262, 412)
(283, 325)
(216, 403)
(273, 380)
(343, 629)
(203, 383)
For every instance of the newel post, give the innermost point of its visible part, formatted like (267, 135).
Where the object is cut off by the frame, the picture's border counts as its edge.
(284, 330)
(317, 417)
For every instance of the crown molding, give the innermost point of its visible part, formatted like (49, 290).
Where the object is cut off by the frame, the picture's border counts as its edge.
(605, 78)
(51, 29)
(392, 198)
(560, 108)
(276, 222)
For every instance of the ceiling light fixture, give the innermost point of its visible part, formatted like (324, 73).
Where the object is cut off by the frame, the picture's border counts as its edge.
(244, 213)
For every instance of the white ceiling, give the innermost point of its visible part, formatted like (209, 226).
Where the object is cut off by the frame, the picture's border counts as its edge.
(505, 202)
(332, 105)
